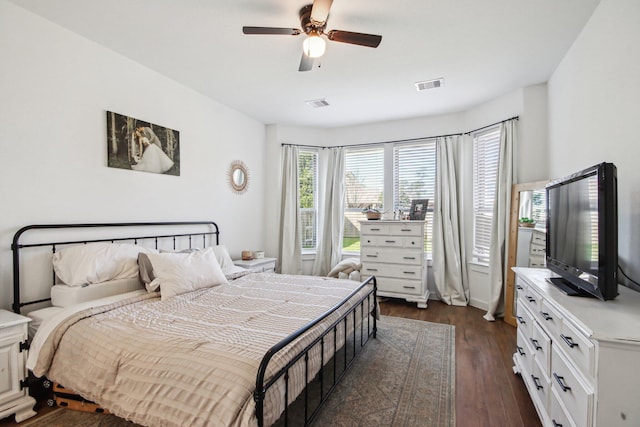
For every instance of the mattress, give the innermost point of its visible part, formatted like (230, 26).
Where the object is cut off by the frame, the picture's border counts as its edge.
(66, 296)
(39, 316)
(191, 359)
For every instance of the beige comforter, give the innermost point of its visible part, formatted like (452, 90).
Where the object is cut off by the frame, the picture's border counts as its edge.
(191, 360)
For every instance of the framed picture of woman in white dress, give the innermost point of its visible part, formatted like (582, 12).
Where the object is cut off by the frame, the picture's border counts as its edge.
(142, 146)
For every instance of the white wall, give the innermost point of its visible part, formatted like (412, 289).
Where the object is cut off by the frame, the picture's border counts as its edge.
(594, 107)
(528, 103)
(55, 88)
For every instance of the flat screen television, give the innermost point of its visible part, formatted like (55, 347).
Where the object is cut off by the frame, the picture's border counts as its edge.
(582, 232)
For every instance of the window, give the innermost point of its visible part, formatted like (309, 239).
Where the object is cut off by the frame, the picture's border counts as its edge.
(308, 185)
(387, 177)
(364, 187)
(414, 177)
(486, 155)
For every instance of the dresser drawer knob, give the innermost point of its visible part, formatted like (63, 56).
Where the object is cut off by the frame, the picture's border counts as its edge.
(518, 287)
(389, 241)
(408, 257)
(409, 272)
(536, 381)
(405, 229)
(530, 298)
(560, 381)
(535, 343)
(372, 256)
(372, 269)
(409, 287)
(546, 316)
(375, 229)
(520, 351)
(569, 341)
(556, 424)
(521, 320)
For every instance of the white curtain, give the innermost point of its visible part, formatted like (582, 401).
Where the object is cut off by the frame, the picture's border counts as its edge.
(449, 261)
(290, 247)
(331, 211)
(500, 223)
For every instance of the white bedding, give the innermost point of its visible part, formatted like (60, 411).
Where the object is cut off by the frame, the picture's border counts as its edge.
(54, 317)
(38, 317)
(192, 359)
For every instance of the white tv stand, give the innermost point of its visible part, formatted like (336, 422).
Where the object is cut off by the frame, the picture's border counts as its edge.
(579, 357)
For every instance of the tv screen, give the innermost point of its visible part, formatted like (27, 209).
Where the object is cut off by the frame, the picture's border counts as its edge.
(582, 232)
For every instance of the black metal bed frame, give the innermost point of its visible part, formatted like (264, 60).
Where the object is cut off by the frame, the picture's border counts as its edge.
(368, 315)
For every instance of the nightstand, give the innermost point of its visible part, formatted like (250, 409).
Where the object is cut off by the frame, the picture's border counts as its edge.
(14, 396)
(258, 265)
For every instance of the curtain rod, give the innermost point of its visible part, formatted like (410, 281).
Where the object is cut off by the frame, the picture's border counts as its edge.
(405, 140)
(492, 124)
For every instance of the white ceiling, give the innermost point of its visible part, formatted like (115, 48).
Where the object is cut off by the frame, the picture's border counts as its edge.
(482, 49)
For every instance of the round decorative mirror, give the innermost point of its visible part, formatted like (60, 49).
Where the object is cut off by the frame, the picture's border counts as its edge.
(238, 176)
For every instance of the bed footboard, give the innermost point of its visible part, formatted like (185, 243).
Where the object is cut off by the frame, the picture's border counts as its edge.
(341, 360)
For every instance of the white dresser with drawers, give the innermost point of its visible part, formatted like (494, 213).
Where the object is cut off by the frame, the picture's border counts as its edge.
(579, 357)
(393, 252)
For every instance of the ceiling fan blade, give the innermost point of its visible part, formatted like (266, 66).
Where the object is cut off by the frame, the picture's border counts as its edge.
(306, 63)
(320, 11)
(271, 30)
(369, 40)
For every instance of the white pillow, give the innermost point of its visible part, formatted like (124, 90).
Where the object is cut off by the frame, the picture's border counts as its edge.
(177, 273)
(222, 255)
(97, 262)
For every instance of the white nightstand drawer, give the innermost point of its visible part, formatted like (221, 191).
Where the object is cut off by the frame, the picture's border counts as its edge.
(258, 265)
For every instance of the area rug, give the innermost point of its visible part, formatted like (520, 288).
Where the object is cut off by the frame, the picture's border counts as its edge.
(404, 377)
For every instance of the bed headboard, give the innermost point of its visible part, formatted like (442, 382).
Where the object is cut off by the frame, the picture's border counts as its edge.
(49, 237)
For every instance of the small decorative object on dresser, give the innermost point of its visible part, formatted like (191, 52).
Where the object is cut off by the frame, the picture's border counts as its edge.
(578, 356)
(372, 213)
(258, 265)
(393, 252)
(14, 392)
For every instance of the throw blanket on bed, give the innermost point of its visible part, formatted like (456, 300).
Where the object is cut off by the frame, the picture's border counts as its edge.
(191, 360)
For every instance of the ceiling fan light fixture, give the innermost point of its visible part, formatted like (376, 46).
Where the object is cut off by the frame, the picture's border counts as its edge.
(314, 45)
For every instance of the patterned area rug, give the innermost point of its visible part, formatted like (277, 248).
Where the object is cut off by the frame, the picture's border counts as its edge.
(405, 377)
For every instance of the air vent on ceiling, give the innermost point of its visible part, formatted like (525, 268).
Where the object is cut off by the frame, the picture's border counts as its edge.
(430, 84)
(317, 103)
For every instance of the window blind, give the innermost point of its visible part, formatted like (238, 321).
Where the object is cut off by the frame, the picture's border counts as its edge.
(364, 187)
(364, 178)
(308, 190)
(414, 177)
(486, 156)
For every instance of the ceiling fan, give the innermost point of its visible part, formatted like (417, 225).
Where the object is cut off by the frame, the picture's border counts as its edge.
(313, 19)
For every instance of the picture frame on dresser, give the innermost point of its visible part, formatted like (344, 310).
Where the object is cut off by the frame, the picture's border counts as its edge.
(418, 210)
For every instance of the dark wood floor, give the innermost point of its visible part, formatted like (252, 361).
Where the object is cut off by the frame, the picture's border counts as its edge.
(488, 393)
